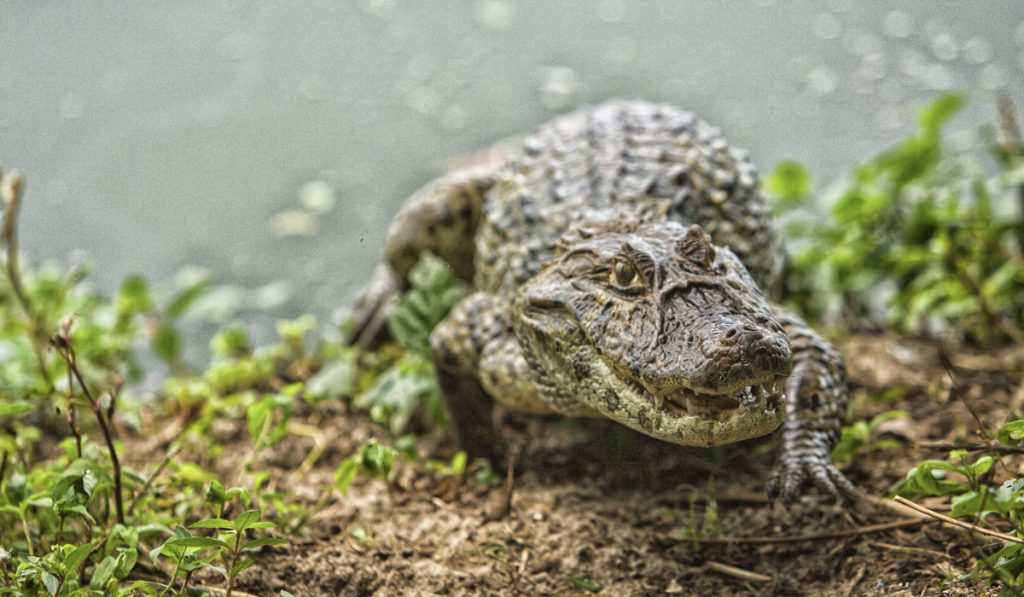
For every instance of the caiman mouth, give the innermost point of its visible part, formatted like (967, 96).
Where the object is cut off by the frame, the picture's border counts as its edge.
(719, 407)
(684, 416)
(689, 417)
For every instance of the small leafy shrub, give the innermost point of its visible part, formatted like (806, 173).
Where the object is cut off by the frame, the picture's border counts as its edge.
(191, 552)
(73, 516)
(409, 384)
(967, 480)
(920, 239)
(374, 460)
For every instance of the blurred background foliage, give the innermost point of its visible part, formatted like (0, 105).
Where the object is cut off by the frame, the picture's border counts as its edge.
(924, 238)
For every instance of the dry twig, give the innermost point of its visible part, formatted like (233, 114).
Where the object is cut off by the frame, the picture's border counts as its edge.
(11, 189)
(958, 523)
(62, 343)
(865, 530)
(149, 482)
(735, 572)
(853, 582)
(969, 447)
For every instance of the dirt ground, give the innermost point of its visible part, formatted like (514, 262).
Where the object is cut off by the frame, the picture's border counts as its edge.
(596, 507)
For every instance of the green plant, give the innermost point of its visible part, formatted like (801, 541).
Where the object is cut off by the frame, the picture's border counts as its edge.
(855, 439)
(373, 459)
(966, 478)
(409, 384)
(227, 544)
(919, 239)
(74, 516)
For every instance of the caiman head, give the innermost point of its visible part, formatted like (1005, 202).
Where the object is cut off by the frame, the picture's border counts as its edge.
(660, 330)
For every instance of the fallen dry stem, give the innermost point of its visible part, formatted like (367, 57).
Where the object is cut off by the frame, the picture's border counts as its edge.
(865, 530)
(970, 448)
(958, 523)
(735, 572)
(910, 549)
(853, 582)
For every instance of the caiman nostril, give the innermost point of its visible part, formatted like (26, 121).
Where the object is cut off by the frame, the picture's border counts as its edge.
(730, 337)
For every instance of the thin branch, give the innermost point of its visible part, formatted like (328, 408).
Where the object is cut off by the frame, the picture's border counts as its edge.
(11, 188)
(911, 549)
(958, 523)
(149, 482)
(72, 421)
(62, 342)
(969, 447)
(865, 530)
(1012, 147)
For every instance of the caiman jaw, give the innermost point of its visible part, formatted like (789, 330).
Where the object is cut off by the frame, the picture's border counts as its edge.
(691, 418)
(719, 407)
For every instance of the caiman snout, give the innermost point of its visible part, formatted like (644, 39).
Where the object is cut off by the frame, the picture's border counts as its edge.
(718, 358)
(741, 354)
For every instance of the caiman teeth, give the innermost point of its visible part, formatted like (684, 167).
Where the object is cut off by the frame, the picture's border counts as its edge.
(764, 396)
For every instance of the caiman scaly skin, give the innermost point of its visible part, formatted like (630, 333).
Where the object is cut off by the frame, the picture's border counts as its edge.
(617, 263)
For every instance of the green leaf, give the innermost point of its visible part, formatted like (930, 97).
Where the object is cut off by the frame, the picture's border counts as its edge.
(1012, 433)
(212, 523)
(167, 344)
(201, 542)
(51, 582)
(434, 291)
(232, 341)
(789, 181)
(377, 459)
(584, 584)
(265, 541)
(13, 409)
(458, 466)
(103, 572)
(335, 379)
(134, 296)
(185, 298)
(965, 504)
(244, 520)
(937, 113)
(242, 566)
(156, 552)
(982, 465)
(395, 396)
(346, 473)
(126, 562)
(147, 587)
(216, 493)
(257, 415)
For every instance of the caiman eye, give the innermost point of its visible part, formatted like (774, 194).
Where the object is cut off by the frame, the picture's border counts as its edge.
(625, 276)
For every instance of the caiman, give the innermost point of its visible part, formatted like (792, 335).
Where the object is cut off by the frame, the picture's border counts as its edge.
(621, 263)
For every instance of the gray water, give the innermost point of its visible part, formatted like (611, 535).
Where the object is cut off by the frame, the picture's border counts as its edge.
(272, 142)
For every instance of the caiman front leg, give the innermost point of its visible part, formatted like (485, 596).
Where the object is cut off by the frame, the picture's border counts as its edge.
(457, 344)
(479, 362)
(817, 397)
